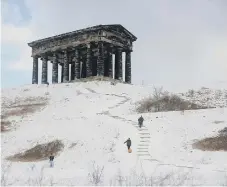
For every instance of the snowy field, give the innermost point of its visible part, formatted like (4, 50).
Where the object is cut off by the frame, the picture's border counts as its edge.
(94, 119)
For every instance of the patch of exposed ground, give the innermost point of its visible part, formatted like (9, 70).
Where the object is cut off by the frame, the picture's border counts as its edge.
(39, 152)
(5, 125)
(20, 107)
(217, 143)
(218, 122)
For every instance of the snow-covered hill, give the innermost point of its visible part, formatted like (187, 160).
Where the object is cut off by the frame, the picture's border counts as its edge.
(93, 119)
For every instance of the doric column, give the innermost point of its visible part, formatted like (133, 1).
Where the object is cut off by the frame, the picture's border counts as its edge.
(77, 64)
(55, 69)
(100, 60)
(66, 66)
(110, 62)
(35, 70)
(128, 66)
(62, 72)
(72, 70)
(118, 64)
(44, 70)
(88, 62)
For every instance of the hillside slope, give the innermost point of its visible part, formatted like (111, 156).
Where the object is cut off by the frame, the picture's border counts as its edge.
(93, 120)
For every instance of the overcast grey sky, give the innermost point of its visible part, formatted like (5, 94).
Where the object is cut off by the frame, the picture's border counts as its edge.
(180, 42)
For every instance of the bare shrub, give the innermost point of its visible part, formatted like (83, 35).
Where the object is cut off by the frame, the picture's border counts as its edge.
(95, 177)
(38, 180)
(5, 169)
(145, 105)
(218, 94)
(178, 178)
(191, 93)
(158, 92)
(166, 103)
(223, 132)
(39, 152)
(217, 143)
(110, 147)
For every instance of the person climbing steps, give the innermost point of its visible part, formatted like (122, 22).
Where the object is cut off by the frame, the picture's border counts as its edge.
(140, 121)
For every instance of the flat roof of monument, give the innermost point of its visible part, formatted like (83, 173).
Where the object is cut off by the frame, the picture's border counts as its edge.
(88, 29)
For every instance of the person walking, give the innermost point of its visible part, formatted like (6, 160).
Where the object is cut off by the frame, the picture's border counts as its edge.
(51, 160)
(129, 143)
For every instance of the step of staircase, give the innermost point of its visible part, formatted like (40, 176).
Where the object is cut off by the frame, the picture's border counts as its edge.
(148, 141)
(145, 137)
(142, 129)
(143, 145)
(143, 154)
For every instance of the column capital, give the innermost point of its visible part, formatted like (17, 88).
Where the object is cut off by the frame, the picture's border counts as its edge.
(129, 50)
(44, 57)
(119, 49)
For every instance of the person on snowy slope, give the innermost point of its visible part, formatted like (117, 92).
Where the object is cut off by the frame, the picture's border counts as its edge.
(51, 160)
(129, 143)
(140, 121)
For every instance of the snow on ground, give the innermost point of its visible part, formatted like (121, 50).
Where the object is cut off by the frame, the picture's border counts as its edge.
(99, 117)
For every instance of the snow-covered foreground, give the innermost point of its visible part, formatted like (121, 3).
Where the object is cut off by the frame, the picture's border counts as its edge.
(99, 117)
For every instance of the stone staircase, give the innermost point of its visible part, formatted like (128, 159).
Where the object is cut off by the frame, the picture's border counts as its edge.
(143, 146)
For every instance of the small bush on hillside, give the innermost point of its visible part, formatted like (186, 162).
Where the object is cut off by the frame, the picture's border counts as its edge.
(163, 101)
(217, 143)
(39, 152)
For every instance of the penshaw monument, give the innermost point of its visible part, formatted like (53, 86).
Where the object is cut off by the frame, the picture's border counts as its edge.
(86, 52)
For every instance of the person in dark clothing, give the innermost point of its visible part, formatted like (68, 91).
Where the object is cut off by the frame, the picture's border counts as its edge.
(51, 160)
(129, 143)
(140, 121)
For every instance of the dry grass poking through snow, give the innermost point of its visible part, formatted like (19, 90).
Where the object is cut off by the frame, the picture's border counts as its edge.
(20, 107)
(218, 143)
(39, 152)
